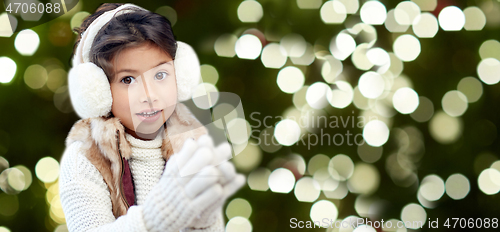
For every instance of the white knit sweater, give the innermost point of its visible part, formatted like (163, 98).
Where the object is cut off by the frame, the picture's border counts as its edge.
(85, 197)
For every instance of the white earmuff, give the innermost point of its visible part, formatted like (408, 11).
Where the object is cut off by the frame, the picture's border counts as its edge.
(89, 88)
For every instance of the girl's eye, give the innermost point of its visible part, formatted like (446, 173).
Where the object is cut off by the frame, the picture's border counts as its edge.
(160, 75)
(128, 80)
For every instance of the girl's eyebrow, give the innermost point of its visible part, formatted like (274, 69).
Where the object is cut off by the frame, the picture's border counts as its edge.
(134, 71)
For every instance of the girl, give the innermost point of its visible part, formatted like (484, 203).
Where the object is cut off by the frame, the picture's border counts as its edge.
(128, 75)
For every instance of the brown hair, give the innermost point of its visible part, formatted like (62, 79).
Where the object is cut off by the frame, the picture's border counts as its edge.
(124, 31)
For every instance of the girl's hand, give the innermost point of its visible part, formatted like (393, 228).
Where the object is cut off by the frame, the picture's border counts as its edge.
(190, 184)
(228, 179)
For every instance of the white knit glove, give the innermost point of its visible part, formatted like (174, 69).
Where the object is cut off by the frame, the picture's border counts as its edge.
(176, 200)
(229, 180)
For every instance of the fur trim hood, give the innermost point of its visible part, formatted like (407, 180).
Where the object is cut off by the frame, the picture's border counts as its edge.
(105, 146)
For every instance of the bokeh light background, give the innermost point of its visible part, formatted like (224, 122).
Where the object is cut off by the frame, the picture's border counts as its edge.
(424, 73)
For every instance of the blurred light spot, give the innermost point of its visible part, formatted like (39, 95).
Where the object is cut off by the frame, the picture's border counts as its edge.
(359, 58)
(238, 224)
(496, 165)
(489, 71)
(268, 141)
(457, 186)
(415, 214)
(16, 179)
(307, 58)
(378, 56)
(169, 13)
(27, 42)
(369, 154)
(296, 163)
(489, 181)
(309, 4)
(360, 101)
(290, 79)
(8, 67)
(281, 180)
(9, 203)
(406, 47)
(4, 229)
(47, 169)
(432, 188)
(316, 95)
(26, 174)
(248, 47)
(205, 95)
(8, 25)
(364, 228)
(474, 19)
(56, 78)
(273, 56)
(364, 180)
(62, 101)
(258, 179)
(341, 96)
(392, 25)
(323, 178)
(490, 49)
(238, 207)
(294, 45)
(60, 33)
(335, 190)
(351, 6)
(426, 5)
(287, 132)
(238, 130)
(56, 212)
(317, 162)
(454, 103)
(248, 159)
(77, 19)
(61, 228)
(209, 74)
(405, 100)
(363, 206)
(250, 11)
(4, 164)
(424, 111)
(406, 12)
(471, 87)
(376, 133)
(425, 25)
(341, 167)
(224, 45)
(371, 85)
(396, 65)
(444, 128)
(331, 69)
(35, 76)
(451, 18)
(373, 12)
(333, 12)
(307, 190)
(342, 45)
(324, 209)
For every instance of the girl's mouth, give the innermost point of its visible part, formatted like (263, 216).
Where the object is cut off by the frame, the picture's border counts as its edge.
(149, 115)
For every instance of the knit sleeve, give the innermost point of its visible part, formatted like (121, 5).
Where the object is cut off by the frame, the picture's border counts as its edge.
(85, 197)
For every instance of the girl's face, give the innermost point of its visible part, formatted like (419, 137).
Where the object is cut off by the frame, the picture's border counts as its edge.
(144, 89)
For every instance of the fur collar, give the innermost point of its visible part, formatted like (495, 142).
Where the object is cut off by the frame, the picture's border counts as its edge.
(104, 145)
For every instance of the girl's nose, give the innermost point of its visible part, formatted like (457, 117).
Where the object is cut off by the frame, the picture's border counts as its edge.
(149, 94)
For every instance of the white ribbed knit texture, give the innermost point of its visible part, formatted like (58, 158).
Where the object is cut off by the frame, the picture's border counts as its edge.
(86, 201)
(146, 165)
